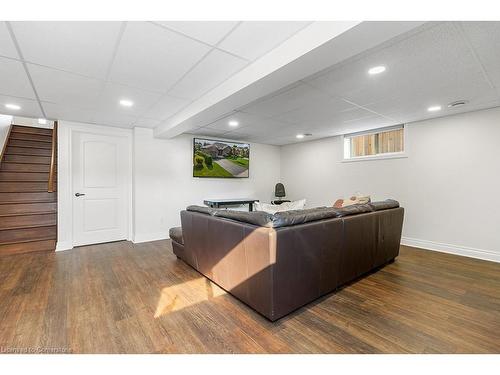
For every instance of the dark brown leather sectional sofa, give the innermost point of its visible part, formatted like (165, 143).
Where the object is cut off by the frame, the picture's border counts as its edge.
(278, 263)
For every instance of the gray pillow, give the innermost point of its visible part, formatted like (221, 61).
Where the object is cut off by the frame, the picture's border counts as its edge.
(259, 218)
(201, 209)
(384, 205)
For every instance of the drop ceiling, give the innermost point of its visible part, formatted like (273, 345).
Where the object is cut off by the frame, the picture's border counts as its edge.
(79, 71)
(435, 64)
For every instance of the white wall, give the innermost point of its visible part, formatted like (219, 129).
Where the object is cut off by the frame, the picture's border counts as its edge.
(5, 121)
(449, 184)
(164, 185)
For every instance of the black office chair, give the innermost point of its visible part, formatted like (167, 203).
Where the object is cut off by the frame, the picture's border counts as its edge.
(279, 192)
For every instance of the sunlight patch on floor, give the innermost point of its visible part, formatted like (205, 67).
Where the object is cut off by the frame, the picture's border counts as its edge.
(179, 296)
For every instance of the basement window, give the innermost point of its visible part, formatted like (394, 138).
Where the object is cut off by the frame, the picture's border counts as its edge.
(382, 143)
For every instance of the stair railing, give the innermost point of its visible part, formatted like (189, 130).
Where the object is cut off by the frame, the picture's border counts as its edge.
(51, 188)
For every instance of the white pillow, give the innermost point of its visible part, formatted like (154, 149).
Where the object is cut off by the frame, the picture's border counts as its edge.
(286, 206)
(294, 205)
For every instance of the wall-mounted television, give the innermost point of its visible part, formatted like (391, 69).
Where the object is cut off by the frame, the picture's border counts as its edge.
(220, 159)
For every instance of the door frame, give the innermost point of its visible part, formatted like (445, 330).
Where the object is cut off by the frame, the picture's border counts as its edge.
(66, 132)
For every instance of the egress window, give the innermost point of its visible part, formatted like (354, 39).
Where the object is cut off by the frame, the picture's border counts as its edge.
(379, 143)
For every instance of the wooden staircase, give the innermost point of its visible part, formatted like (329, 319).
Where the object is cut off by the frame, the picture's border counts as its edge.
(28, 197)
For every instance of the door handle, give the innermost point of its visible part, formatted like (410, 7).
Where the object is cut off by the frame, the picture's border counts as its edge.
(79, 194)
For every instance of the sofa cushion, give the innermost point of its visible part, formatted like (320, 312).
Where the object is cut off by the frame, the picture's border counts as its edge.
(294, 217)
(175, 234)
(353, 210)
(259, 218)
(384, 205)
(201, 209)
(288, 218)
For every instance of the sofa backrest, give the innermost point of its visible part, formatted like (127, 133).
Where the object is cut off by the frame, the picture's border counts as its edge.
(294, 217)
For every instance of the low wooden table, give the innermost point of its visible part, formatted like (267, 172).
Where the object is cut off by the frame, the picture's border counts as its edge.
(218, 203)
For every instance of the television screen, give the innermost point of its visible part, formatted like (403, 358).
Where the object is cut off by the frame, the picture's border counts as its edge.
(220, 159)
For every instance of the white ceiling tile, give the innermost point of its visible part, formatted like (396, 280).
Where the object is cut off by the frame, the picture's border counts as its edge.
(207, 132)
(7, 47)
(210, 32)
(361, 124)
(485, 39)
(253, 39)
(294, 97)
(64, 88)
(14, 80)
(64, 112)
(165, 107)
(152, 58)
(147, 123)
(111, 118)
(80, 47)
(113, 93)
(243, 119)
(214, 69)
(321, 111)
(424, 64)
(29, 108)
(237, 136)
(406, 113)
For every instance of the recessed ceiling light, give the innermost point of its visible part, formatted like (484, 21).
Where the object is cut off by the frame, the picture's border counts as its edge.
(42, 121)
(126, 103)
(458, 103)
(15, 107)
(434, 108)
(376, 70)
(299, 136)
(233, 123)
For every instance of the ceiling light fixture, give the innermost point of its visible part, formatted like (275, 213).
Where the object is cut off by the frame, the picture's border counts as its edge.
(434, 108)
(15, 107)
(376, 70)
(233, 123)
(299, 136)
(126, 103)
(42, 121)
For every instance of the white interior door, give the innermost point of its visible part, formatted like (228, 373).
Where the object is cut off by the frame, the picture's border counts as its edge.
(100, 176)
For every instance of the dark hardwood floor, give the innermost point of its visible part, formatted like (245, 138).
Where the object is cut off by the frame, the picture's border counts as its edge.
(126, 298)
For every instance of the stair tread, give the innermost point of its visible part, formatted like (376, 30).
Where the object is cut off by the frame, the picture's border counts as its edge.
(28, 226)
(31, 130)
(29, 202)
(28, 213)
(41, 238)
(17, 136)
(23, 162)
(14, 171)
(27, 151)
(38, 147)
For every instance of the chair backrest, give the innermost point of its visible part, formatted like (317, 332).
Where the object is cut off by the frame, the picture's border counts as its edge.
(279, 190)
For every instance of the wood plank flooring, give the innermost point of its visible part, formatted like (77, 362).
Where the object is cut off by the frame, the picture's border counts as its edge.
(126, 298)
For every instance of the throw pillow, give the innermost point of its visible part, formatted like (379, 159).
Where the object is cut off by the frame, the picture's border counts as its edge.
(355, 199)
(286, 206)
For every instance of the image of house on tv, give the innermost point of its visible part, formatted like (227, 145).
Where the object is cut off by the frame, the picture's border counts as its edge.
(220, 159)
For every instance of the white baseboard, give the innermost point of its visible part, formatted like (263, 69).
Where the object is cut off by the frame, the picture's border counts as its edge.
(64, 245)
(147, 237)
(452, 249)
